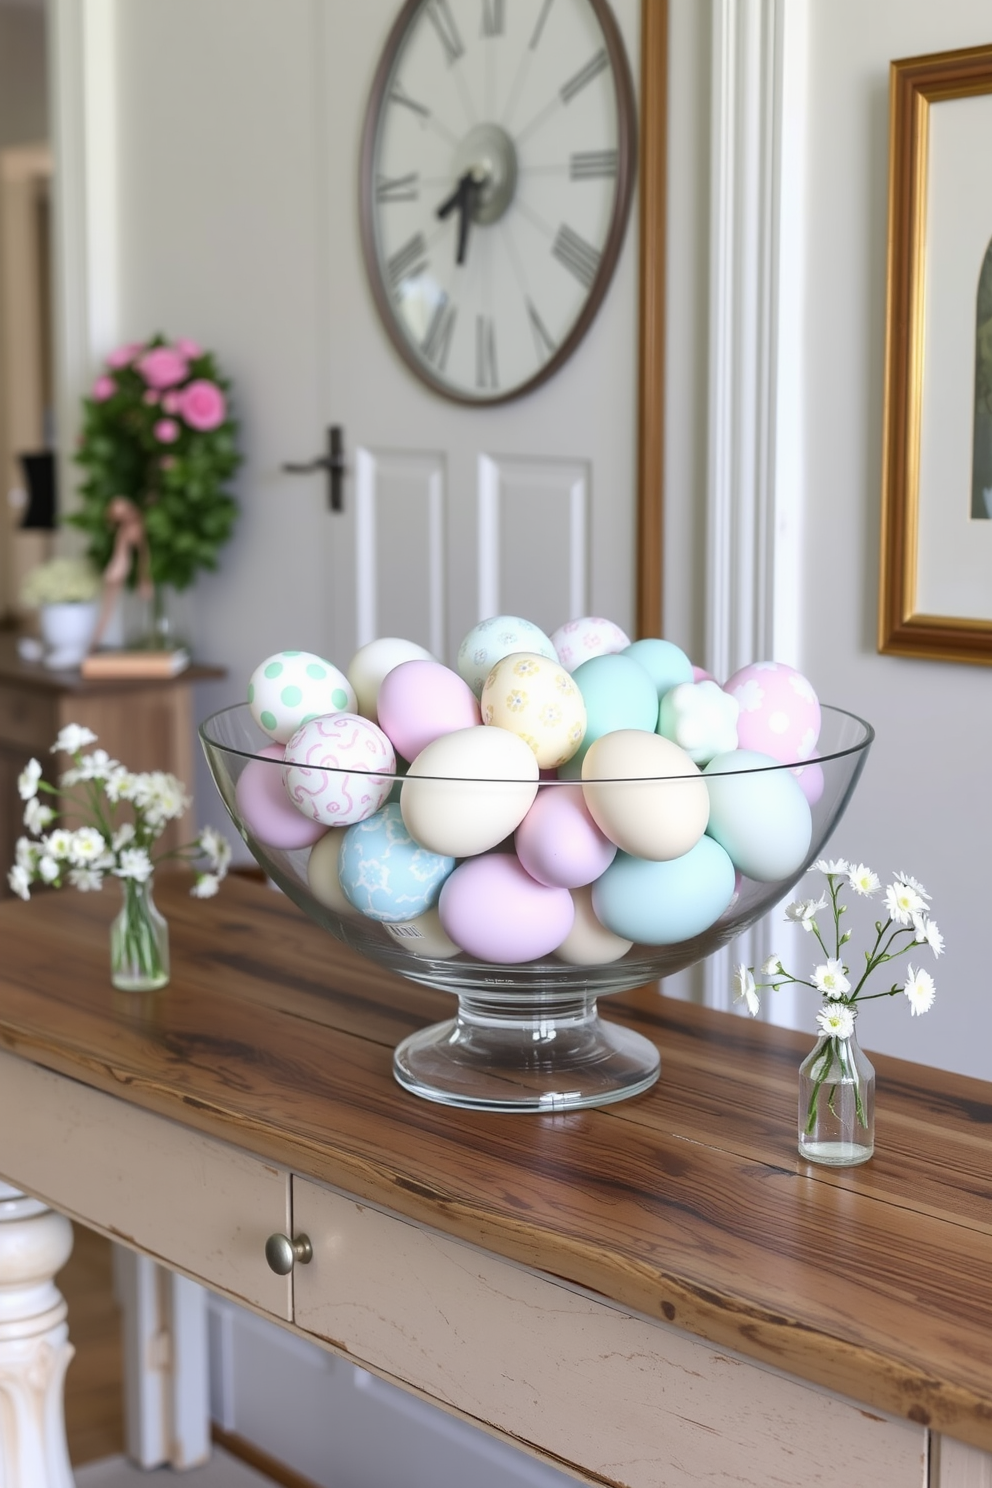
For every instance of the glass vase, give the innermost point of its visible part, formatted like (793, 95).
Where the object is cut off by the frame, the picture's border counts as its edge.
(837, 1103)
(139, 941)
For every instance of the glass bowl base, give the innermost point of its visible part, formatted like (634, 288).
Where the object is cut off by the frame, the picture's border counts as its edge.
(526, 1063)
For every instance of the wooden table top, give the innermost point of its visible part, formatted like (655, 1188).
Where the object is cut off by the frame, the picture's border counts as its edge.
(39, 678)
(688, 1204)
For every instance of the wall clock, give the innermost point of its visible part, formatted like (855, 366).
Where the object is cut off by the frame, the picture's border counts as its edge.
(498, 160)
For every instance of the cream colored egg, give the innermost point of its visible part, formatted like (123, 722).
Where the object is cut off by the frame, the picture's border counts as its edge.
(322, 874)
(468, 790)
(424, 936)
(536, 699)
(645, 794)
(589, 943)
(373, 662)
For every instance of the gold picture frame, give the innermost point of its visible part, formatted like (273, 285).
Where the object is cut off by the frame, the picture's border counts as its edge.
(913, 426)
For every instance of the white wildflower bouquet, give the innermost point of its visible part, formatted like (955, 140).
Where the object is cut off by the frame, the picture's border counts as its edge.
(907, 928)
(123, 816)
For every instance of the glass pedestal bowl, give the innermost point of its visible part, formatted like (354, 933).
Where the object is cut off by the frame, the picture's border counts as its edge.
(527, 1036)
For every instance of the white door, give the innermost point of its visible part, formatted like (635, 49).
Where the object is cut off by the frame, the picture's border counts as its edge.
(452, 513)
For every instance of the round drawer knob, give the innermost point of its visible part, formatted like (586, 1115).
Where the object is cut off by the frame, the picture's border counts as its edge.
(283, 1253)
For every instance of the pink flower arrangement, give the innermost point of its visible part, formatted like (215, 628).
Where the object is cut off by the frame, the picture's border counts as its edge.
(104, 388)
(163, 367)
(166, 431)
(203, 405)
(124, 355)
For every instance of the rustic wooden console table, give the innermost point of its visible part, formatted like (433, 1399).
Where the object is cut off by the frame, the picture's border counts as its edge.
(659, 1293)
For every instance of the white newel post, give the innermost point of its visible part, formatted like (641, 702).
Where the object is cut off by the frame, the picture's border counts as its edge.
(35, 1244)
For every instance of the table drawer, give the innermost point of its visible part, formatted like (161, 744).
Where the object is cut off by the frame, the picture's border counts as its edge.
(203, 1206)
(27, 718)
(617, 1396)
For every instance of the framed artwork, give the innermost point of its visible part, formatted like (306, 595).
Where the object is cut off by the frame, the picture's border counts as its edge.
(936, 551)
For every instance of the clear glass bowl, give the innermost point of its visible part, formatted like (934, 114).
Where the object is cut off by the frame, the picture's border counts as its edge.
(527, 1035)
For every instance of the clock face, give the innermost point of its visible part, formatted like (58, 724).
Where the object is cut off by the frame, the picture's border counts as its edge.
(497, 167)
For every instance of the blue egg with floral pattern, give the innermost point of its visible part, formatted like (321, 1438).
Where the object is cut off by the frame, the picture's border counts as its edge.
(385, 874)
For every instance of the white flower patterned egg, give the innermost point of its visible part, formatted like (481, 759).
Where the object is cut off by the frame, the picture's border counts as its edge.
(536, 699)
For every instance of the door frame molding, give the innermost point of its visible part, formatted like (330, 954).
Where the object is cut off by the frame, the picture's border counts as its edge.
(653, 238)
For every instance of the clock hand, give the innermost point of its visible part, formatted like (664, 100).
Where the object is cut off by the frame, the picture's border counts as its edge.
(463, 199)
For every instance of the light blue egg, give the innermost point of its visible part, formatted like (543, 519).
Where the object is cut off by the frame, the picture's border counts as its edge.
(663, 661)
(760, 816)
(618, 694)
(385, 874)
(665, 903)
(491, 640)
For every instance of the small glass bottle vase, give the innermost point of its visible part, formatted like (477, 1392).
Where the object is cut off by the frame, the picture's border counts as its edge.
(837, 1102)
(139, 941)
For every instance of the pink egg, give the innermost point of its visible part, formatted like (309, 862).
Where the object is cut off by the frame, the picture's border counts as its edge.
(338, 769)
(811, 781)
(265, 808)
(699, 675)
(779, 713)
(558, 842)
(580, 640)
(495, 911)
(421, 700)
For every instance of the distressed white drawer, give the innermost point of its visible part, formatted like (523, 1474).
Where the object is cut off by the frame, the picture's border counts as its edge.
(202, 1206)
(625, 1399)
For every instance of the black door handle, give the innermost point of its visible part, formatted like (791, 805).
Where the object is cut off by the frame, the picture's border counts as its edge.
(333, 462)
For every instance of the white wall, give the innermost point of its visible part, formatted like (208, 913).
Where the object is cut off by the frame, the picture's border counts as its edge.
(922, 806)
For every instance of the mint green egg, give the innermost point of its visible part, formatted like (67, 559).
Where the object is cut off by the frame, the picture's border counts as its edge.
(618, 694)
(663, 661)
(665, 903)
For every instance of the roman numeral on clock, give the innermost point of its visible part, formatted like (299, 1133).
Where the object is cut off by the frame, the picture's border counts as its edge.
(407, 262)
(587, 165)
(398, 94)
(397, 188)
(443, 21)
(486, 375)
(493, 17)
(544, 344)
(578, 256)
(592, 69)
(437, 342)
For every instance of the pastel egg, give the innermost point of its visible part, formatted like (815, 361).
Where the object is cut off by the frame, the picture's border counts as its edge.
(759, 814)
(323, 876)
(266, 810)
(665, 663)
(491, 640)
(387, 875)
(665, 903)
(780, 714)
(645, 794)
(421, 700)
(700, 718)
(468, 790)
(288, 688)
(424, 936)
(495, 911)
(580, 640)
(537, 700)
(559, 843)
(589, 943)
(618, 694)
(373, 662)
(811, 781)
(339, 769)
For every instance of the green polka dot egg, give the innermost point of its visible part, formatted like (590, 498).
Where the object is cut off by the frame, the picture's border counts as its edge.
(291, 687)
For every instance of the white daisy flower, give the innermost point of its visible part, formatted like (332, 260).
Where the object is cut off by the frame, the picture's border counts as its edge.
(73, 738)
(27, 781)
(134, 863)
(919, 988)
(903, 902)
(835, 866)
(830, 979)
(48, 869)
(835, 1020)
(862, 880)
(120, 785)
(912, 883)
(216, 849)
(926, 930)
(37, 816)
(95, 766)
(804, 911)
(59, 843)
(20, 881)
(26, 853)
(744, 989)
(123, 835)
(771, 967)
(206, 886)
(87, 845)
(85, 879)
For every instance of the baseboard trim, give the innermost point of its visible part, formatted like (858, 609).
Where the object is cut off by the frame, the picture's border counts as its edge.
(247, 1452)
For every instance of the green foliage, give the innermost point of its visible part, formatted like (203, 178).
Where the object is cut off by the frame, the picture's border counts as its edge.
(177, 484)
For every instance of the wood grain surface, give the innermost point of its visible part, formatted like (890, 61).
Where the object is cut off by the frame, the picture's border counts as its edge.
(688, 1204)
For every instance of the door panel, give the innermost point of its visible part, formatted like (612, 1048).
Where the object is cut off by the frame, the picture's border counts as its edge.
(533, 538)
